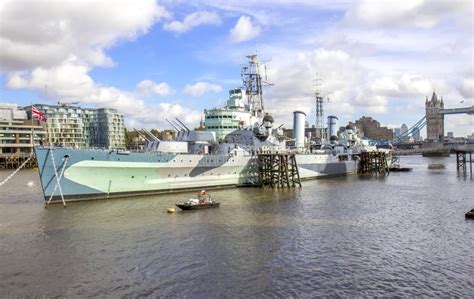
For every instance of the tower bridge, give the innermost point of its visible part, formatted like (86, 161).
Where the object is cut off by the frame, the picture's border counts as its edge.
(433, 120)
(467, 110)
(435, 113)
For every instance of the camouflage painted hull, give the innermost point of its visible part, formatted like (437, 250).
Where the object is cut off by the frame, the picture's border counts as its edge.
(93, 174)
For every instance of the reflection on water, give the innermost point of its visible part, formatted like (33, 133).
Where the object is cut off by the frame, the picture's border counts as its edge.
(403, 235)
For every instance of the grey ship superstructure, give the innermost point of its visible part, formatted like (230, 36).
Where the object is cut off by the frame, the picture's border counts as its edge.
(198, 158)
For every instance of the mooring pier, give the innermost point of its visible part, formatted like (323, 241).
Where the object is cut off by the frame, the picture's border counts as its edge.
(14, 161)
(278, 170)
(464, 159)
(373, 163)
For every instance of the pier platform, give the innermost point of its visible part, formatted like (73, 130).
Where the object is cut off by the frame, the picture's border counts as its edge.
(373, 163)
(14, 161)
(464, 159)
(278, 170)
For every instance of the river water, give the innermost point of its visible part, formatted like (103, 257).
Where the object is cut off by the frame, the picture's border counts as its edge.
(403, 235)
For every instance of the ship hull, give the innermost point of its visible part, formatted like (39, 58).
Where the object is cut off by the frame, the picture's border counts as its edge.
(97, 174)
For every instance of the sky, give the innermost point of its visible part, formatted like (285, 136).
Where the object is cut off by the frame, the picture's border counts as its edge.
(153, 60)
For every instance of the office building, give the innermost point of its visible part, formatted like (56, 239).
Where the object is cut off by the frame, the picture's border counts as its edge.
(397, 132)
(16, 131)
(73, 126)
(403, 129)
(416, 135)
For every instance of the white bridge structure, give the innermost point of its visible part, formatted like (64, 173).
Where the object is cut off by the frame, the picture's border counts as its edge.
(467, 110)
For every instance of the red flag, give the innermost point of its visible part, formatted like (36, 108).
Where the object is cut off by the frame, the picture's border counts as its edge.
(38, 114)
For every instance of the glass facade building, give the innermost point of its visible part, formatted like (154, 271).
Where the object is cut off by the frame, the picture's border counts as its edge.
(73, 126)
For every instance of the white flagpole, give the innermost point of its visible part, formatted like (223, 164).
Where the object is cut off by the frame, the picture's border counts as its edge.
(32, 132)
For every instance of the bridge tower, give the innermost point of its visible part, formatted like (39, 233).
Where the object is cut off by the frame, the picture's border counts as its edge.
(434, 119)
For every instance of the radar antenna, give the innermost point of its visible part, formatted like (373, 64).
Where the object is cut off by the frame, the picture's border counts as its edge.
(319, 107)
(252, 84)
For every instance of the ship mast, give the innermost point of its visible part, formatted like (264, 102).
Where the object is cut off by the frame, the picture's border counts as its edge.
(319, 109)
(252, 84)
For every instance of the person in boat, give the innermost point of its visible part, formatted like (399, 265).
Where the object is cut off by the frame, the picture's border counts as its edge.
(204, 197)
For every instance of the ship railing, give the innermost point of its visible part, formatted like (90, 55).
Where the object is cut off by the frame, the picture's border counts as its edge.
(75, 148)
(276, 152)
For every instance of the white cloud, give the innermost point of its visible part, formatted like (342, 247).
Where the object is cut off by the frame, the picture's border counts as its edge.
(461, 124)
(353, 88)
(70, 82)
(293, 73)
(466, 86)
(193, 20)
(407, 85)
(244, 30)
(148, 87)
(419, 13)
(45, 33)
(57, 44)
(376, 59)
(200, 88)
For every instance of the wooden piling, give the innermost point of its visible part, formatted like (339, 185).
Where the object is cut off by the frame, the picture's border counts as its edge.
(462, 161)
(373, 163)
(14, 161)
(278, 170)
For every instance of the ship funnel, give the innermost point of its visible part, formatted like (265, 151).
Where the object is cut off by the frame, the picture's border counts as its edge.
(332, 131)
(298, 128)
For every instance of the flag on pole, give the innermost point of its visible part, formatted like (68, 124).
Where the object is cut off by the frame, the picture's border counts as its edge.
(38, 114)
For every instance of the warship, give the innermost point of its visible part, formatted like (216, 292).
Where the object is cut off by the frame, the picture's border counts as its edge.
(223, 152)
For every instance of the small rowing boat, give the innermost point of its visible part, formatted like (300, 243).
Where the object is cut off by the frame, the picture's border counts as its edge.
(203, 201)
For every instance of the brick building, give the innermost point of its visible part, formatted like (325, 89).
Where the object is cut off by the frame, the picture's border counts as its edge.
(372, 129)
(16, 131)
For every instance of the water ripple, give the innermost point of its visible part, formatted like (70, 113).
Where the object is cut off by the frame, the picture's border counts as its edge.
(403, 236)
